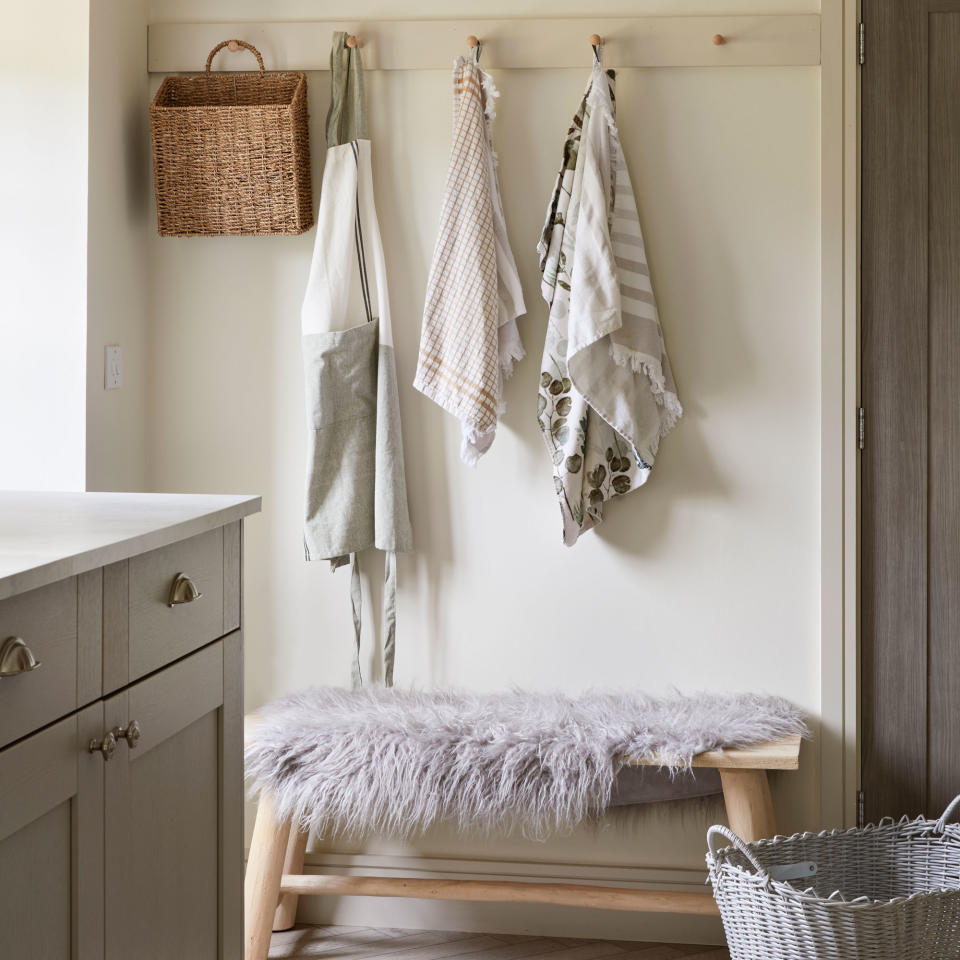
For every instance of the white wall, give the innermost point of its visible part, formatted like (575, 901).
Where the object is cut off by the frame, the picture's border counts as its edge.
(43, 205)
(705, 579)
(121, 198)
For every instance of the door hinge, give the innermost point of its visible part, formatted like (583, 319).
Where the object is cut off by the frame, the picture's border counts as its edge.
(861, 428)
(860, 809)
(861, 44)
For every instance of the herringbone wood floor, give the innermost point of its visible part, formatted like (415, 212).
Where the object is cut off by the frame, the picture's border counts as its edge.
(369, 943)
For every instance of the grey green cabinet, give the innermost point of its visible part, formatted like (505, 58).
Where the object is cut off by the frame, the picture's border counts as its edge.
(121, 783)
(51, 843)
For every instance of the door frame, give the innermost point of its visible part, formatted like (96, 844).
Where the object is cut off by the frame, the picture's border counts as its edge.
(838, 742)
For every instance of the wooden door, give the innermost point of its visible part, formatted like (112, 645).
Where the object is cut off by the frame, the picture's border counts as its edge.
(173, 802)
(51, 843)
(910, 543)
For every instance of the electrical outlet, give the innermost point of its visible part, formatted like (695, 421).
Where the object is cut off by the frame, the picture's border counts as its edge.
(112, 367)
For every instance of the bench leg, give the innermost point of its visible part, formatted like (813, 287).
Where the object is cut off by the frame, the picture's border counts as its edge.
(286, 914)
(261, 892)
(746, 794)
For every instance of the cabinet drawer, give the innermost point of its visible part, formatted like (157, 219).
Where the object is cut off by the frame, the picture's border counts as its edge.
(162, 630)
(46, 620)
(142, 631)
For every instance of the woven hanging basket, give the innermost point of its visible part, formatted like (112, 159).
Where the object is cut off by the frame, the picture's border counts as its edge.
(889, 891)
(231, 152)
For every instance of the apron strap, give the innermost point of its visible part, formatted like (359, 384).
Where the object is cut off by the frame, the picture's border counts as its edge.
(356, 609)
(356, 606)
(358, 240)
(389, 614)
(347, 117)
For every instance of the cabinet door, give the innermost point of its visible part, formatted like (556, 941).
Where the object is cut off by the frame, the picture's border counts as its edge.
(173, 805)
(51, 843)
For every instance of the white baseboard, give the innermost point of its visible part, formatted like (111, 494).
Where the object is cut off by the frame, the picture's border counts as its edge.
(518, 918)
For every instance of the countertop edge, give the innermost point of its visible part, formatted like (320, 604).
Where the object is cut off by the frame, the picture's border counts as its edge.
(71, 566)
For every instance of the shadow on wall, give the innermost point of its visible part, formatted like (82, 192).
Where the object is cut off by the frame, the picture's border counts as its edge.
(639, 524)
(425, 439)
(693, 473)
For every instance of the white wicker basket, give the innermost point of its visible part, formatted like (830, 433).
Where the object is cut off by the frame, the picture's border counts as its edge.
(889, 891)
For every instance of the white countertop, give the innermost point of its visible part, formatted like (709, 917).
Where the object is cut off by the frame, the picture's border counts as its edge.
(45, 537)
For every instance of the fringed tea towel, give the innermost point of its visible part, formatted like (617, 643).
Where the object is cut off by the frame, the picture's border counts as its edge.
(356, 489)
(607, 393)
(469, 341)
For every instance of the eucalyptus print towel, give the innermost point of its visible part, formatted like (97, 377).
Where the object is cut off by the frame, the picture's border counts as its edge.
(607, 393)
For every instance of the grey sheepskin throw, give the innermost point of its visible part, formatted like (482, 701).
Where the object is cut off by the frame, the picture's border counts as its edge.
(392, 761)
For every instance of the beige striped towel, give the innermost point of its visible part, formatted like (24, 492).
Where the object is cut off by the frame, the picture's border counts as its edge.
(607, 393)
(469, 340)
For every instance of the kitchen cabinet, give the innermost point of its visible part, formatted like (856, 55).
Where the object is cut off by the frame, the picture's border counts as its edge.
(121, 716)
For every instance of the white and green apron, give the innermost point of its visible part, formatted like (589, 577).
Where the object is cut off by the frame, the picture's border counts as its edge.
(356, 491)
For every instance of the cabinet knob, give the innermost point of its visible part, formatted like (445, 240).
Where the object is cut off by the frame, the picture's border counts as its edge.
(105, 747)
(183, 590)
(131, 733)
(16, 658)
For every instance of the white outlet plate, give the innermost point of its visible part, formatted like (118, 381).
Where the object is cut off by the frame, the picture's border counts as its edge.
(112, 367)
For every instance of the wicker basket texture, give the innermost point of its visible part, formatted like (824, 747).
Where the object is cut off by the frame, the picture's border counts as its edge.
(231, 152)
(889, 891)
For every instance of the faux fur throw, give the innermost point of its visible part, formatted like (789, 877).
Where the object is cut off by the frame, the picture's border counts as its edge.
(391, 761)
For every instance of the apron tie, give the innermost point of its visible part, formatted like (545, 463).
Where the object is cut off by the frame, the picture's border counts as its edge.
(356, 605)
(389, 614)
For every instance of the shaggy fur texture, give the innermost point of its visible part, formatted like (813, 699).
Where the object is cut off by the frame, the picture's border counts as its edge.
(395, 761)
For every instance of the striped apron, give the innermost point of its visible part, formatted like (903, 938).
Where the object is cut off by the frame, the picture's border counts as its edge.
(356, 491)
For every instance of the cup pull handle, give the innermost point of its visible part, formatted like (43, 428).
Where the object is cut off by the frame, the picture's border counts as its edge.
(17, 658)
(183, 590)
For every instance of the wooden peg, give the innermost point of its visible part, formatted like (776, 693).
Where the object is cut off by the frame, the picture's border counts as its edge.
(353, 41)
(596, 40)
(233, 46)
(719, 39)
(473, 41)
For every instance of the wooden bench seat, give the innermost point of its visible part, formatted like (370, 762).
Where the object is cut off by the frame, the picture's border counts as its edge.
(275, 881)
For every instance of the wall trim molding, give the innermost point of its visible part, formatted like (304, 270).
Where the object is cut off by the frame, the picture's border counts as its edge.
(838, 739)
(504, 918)
(461, 868)
(522, 42)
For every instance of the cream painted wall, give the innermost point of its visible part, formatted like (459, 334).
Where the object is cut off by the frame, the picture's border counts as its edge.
(707, 578)
(43, 206)
(121, 197)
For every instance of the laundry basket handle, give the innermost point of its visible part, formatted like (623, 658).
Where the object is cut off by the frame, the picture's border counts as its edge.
(947, 814)
(731, 837)
(235, 45)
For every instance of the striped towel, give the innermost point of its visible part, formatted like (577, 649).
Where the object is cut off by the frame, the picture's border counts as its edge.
(607, 393)
(469, 340)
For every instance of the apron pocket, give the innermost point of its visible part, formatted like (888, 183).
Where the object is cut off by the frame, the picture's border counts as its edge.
(341, 373)
(340, 368)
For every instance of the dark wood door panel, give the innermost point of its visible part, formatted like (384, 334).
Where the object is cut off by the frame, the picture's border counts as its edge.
(943, 774)
(910, 382)
(894, 388)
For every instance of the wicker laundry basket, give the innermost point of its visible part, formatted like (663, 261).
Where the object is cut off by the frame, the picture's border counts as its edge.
(231, 152)
(884, 892)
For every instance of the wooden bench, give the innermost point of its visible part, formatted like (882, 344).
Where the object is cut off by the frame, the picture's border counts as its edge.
(275, 881)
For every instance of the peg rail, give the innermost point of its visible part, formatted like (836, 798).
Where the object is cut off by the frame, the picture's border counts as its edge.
(747, 41)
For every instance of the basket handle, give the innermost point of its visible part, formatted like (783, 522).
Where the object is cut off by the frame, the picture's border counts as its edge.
(731, 837)
(235, 45)
(947, 814)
